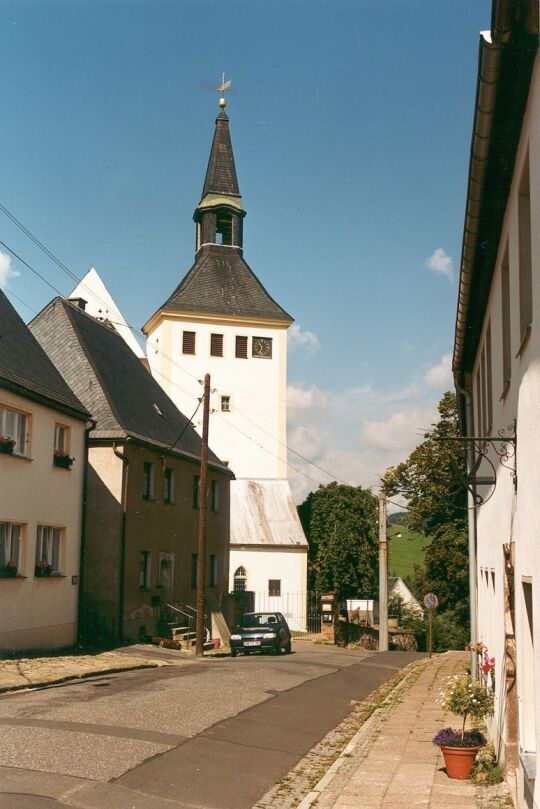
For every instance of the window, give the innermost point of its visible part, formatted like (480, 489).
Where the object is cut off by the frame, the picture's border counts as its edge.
(240, 580)
(213, 570)
(196, 490)
(48, 550)
(168, 485)
(13, 424)
(214, 495)
(188, 342)
(225, 404)
(61, 438)
(194, 558)
(506, 335)
(166, 575)
(525, 264)
(274, 587)
(10, 548)
(216, 345)
(145, 569)
(224, 228)
(241, 347)
(148, 481)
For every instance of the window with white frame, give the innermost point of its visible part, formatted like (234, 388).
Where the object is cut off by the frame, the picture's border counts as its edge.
(240, 580)
(14, 425)
(10, 548)
(61, 438)
(225, 404)
(48, 547)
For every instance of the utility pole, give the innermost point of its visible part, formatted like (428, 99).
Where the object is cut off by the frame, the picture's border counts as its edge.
(383, 577)
(201, 548)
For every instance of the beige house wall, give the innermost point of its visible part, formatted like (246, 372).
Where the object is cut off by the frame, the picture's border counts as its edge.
(41, 612)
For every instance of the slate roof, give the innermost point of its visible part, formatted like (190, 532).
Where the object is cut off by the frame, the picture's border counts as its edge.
(221, 282)
(26, 369)
(221, 172)
(263, 513)
(121, 394)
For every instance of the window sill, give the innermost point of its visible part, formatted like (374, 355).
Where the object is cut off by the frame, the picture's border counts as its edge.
(17, 457)
(524, 341)
(51, 576)
(168, 502)
(13, 578)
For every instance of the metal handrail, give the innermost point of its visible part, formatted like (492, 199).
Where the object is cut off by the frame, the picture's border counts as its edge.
(190, 618)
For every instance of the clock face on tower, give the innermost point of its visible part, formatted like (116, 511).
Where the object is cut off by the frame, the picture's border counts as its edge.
(262, 347)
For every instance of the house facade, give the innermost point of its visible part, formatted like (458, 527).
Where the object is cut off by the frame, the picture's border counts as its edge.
(42, 460)
(141, 520)
(497, 371)
(222, 321)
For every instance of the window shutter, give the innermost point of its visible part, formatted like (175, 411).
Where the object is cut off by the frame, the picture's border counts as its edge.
(241, 347)
(216, 345)
(188, 342)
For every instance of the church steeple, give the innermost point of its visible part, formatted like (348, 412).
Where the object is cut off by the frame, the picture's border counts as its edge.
(219, 214)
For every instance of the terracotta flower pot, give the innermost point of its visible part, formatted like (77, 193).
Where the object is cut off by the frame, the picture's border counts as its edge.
(459, 761)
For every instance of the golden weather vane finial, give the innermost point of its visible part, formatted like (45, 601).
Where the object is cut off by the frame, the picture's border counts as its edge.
(222, 87)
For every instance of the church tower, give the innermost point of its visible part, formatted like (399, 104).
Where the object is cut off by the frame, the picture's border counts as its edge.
(221, 320)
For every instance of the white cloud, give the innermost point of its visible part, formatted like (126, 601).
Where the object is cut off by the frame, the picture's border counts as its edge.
(302, 339)
(6, 270)
(300, 398)
(440, 376)
(441, 263)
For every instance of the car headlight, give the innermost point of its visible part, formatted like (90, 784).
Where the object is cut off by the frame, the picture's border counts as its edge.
(269, 635)
(236, 637)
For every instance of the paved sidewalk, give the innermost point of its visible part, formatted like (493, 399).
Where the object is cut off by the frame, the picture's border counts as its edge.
(391, 763)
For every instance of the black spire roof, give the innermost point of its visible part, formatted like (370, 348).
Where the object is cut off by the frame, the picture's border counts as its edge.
(221, 172)
(26, 369)
(221, 282)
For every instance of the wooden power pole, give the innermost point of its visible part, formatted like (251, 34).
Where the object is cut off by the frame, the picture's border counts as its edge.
(201, 548)
(383, 577)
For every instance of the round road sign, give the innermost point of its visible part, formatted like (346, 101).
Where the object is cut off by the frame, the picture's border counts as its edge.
(431, 601)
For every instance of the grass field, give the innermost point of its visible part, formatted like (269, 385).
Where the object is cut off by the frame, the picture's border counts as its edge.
(406, 551)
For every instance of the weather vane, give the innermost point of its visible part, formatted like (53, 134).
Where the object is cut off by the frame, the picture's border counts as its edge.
(222, 87)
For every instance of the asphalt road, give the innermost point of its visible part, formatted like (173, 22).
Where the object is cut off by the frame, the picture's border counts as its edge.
(212, 734)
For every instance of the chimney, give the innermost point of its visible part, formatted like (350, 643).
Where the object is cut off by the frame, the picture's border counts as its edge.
(80, 302)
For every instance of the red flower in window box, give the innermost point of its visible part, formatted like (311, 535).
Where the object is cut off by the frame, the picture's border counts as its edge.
(62, 459)
(7, 444)
(43, 568)
(10, 569)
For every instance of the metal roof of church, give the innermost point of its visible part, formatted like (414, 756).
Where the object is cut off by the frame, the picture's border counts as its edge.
(221, 172)
(263, 513)
(221, 282)
(26, 369)
(123, 397)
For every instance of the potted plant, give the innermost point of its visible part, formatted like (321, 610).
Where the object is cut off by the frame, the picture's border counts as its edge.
(62, 459)
(7, 444)
(43, 568)
(10, 570)
(463, 698)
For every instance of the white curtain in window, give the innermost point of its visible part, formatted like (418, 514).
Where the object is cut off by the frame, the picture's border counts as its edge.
(13, 424)
(10, 543)
(48, 546)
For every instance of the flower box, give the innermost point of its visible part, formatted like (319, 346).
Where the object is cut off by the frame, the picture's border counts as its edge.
(6, 445)
(43, 568)
(62, 460)
(9, 571)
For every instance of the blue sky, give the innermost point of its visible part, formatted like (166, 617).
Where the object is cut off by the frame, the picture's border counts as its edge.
(351, 124)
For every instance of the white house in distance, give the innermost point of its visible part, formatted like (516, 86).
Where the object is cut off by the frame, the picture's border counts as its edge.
(42, 461)
(221, 320)
(497, 371)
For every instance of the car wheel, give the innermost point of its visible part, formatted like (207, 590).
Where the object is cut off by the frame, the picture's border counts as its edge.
(277, 648)
(288, 648)
(233, 652)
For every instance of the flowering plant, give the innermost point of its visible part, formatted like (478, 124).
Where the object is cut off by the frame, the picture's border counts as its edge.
(478, 647)
(11, 564)
(452, 738)
(43, 568)
(488, 666)
(5, 439)
(464, 698)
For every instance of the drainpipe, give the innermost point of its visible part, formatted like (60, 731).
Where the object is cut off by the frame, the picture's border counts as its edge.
(122, 562)
(471, 521)
(82, 556)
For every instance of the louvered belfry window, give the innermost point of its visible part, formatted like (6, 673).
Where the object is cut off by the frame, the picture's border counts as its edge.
(216, 345)
(241, 347)
(188, 342)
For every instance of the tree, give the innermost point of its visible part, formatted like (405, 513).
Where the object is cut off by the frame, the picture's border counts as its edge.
(432, 481)
(340, 523)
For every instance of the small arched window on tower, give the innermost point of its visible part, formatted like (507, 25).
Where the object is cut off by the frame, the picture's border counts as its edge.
(240, 580)
(224, 229)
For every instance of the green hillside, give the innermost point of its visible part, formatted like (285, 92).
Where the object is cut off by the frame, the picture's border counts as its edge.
(406, 551)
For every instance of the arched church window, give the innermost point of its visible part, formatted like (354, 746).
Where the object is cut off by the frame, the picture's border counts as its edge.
(240, 580)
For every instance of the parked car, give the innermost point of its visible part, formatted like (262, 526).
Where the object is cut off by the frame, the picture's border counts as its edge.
(261, 632)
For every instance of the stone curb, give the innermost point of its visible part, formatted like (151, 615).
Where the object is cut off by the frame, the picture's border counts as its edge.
(80, 676)
(361, 739)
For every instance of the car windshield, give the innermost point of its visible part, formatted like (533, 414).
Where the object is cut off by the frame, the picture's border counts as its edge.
(258, 619)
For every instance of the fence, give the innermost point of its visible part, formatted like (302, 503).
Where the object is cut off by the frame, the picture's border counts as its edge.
(302, 611)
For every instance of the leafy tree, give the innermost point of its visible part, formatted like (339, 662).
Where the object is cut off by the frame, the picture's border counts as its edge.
(340, 523)
(432, 481)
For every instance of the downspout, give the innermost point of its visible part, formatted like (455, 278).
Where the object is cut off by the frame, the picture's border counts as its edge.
(82, 556)
(122, 561)
(471, 522)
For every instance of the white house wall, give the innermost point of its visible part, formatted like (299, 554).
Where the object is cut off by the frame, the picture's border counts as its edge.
(252, 436)
(41, 612)
(289, 565)
(506, 517)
